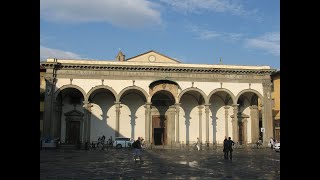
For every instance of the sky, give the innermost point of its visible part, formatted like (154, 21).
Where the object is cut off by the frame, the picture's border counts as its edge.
(237, 32)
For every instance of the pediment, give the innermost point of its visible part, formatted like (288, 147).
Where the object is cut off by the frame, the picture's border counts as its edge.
(74, 113)
(152, 57)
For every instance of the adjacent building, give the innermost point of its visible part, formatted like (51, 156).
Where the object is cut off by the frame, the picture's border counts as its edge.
(276, 103)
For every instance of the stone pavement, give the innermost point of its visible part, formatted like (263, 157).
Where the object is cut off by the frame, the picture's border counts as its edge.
(159, 164)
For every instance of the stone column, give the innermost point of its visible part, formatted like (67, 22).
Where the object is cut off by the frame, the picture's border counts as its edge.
(58, 119)
(207, 106)
(87, 120)
(226, 113)
(117, 130)
(245, 132)
(235, 127)
(48, 108)
(177, 122)
(200, 122)
(254, 123)
(267, 120)
(147, 122)
(53, 129)
(171, 126)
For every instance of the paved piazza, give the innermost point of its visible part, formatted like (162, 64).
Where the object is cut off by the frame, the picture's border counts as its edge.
(159, 164)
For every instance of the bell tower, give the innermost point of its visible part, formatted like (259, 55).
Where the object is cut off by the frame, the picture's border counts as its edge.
(120, 56)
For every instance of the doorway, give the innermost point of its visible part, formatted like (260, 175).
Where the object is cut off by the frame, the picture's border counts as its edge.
(159, 131)
(73, 132)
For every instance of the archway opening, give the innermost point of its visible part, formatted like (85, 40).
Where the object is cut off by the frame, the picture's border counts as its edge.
(69, 116)
(132, 107)
(191, 123)
(162, 102)
(249, 118)
(220, 125)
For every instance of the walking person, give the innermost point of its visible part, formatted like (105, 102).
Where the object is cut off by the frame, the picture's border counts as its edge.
(230, 143)
(271, 142)
(198, 144)
(225, 150)
(137, 149)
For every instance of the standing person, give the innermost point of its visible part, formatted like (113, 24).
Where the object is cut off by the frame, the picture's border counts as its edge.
(137, 149)
(271, 142)
(225, 150)
(230, 143)
(198, 144)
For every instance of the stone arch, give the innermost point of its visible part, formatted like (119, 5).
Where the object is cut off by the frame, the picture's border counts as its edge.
(159, 91)
(249, 90)
(101, 87)
(223, 90)
(194, 89)
(132, 87)
(70, 86)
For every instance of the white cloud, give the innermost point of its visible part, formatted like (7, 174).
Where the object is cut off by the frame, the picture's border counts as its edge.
(46, 53)
(269, 42)
(206, 34)
(131, 13)
(202, 33)
(198, 6)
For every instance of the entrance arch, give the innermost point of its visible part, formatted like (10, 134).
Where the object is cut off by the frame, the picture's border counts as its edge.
(249, 119)
(162, 117)
(69, 115)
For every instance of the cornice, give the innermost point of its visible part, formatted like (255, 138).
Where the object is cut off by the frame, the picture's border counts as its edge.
(146, 68)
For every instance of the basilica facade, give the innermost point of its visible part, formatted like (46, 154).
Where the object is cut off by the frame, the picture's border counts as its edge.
(158, 98)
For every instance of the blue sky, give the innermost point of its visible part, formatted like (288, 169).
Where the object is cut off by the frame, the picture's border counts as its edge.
(240, 32)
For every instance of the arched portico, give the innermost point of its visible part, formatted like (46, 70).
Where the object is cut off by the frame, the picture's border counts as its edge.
(233, 98)
(221, 101)
(69, 86)
(69, 122)
(137, 88)
(101, 87)
(247, 122)
(192, 102)
(133, 100)
(162, 118)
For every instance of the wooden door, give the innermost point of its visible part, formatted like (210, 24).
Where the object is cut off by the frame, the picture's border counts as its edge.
(159, 130)
(73, 132)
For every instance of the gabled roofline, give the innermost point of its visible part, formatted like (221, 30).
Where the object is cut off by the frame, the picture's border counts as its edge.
(154, 52)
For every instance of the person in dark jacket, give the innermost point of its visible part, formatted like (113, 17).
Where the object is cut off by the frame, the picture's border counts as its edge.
(230, 143)
(137, 149)
(225, 150)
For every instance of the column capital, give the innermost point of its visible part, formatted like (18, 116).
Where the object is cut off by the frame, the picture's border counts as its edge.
(86, 102)
(200, 107)
(226, 107)
(177, 104)
(87, 105)
(235, 105)
(117, 102)
(118, 106)
(254, 107)
(207, 106)
(148, 105)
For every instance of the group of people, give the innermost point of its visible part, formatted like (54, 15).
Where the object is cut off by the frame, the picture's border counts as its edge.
(136, 148)
(227, 148)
